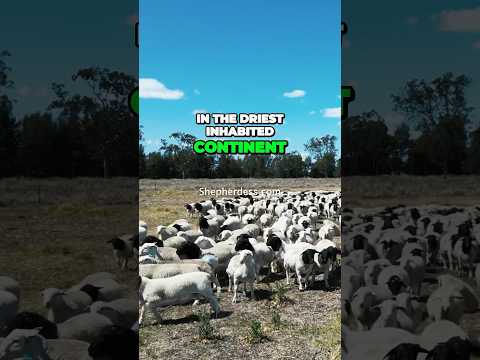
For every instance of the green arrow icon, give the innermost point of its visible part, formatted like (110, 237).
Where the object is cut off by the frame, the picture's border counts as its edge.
(133, 101)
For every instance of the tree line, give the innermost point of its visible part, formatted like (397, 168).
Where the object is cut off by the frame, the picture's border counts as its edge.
(176, 159)
(93, 133)
(438, 116)
(88, 133)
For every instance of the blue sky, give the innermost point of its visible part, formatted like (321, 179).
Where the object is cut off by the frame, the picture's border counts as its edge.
(50, 41)
(399, 41)
(243, 56)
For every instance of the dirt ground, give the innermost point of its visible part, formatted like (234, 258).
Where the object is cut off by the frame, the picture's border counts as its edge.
(308, 326)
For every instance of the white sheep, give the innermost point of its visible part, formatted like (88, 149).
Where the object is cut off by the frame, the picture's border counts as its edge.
(181, 225)
(122, 312)
(85, 327)
(107, 289)
(175, 241)
(175, 290)
(302, 260)
(204, 242)
(142, 233)
(162, 271)
(62, 305)
(165, 232)
(10, 285)
(189, 235)
(241, 269)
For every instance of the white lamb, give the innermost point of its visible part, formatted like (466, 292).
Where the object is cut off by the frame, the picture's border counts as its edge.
(241, 269)
(178, 289)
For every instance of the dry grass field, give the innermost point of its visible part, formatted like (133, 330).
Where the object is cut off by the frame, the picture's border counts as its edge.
(411, 190)
(293, 324)
(54, 231)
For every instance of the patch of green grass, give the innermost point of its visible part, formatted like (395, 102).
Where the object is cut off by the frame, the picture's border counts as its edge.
(276, 319)
(205, 327)
(279, 296)
(255, 333)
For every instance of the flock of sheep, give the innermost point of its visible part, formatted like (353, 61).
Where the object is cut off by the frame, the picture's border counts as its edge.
(91, 320)
(244, 239)
(409, 276)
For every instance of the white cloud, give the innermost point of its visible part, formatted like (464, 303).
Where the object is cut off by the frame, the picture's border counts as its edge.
(295, 94)
(199, 111)
(465, 20)
(154, 89)
(332, 112)
(313, 112)
(196, 92)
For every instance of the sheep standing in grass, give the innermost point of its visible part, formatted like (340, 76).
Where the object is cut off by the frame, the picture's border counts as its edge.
(303, 262)
(123, 250)
(175, 290)
(241, 269)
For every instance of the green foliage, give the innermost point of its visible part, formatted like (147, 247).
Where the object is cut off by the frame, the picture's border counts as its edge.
(205, 328)
(255, 332)
(279, 294)
(276, 319)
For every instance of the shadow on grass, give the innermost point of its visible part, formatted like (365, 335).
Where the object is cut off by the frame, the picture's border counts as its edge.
(192, 318)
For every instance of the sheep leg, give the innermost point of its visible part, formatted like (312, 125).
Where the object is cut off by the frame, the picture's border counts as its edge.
(217, 284)
(300, 285)
(287, 273)
(140, 314)
(235, 290)
(229, 284)
(208, 294)
(252, 291)
(325, 278)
